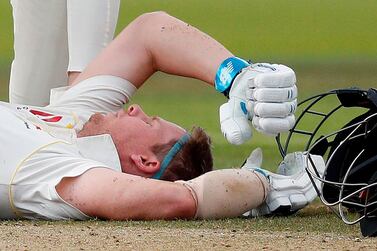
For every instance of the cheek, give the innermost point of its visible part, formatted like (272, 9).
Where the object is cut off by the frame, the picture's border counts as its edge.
(130, 130)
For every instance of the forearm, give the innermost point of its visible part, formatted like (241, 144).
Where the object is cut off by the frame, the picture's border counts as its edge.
(227, 193)
(178, 48)
(159, 42)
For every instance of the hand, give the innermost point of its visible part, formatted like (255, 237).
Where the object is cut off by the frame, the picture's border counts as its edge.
(292, 188)
(291, 164)
(272, 98)
(263, 93)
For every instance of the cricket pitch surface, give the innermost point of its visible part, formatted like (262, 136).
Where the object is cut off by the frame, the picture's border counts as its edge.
(101, 235)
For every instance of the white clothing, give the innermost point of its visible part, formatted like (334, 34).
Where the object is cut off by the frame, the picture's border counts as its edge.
(53, 37)
(39, 147)
(91, 26)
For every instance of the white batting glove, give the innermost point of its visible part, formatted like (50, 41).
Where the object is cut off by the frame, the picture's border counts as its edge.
(272, 98)
(292, 189)
(264, 93)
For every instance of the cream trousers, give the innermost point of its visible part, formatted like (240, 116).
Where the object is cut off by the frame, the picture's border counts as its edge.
(53, 37)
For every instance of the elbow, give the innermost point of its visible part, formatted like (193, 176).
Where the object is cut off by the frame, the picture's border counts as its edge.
(182, 208)
(151, 16)
(151, 20)
(170, 204)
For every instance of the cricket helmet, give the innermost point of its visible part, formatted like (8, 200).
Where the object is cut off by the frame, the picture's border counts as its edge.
(345, 134)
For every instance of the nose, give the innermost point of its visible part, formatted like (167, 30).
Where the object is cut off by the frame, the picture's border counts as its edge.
(136, 111)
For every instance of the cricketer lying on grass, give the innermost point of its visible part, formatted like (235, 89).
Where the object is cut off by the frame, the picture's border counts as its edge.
(85, 146)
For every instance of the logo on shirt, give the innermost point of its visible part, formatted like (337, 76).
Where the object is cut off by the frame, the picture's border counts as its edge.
(63, 121)
(47, 117)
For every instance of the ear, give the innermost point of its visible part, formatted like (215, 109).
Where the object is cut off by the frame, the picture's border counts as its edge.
(146, 163)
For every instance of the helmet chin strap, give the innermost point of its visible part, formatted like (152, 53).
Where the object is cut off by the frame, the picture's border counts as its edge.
(171, 154)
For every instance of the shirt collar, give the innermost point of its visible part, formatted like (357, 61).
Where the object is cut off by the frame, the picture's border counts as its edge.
(100, 148)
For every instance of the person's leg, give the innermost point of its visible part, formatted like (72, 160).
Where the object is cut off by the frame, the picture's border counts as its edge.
(41, 43)
(40, 48)
(91, 26)
(159, 42)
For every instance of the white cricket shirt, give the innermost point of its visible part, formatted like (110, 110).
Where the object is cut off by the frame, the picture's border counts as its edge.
(39, 147)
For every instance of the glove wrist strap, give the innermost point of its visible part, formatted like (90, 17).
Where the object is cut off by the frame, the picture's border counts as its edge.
(227, 72)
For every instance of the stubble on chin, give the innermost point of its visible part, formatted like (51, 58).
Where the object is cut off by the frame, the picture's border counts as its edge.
(94, 126)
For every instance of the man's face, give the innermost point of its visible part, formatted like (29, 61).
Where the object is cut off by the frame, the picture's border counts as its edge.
(139, 130)
(133, 131)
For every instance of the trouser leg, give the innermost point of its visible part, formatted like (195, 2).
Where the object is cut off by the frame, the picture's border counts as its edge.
(91, 26)
(53, 37)
(40, 48)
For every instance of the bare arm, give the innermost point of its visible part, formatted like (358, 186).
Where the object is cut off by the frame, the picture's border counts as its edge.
(107, 194)
(158, 42)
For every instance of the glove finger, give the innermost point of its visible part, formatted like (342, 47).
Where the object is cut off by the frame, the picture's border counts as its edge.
(277, 110)
(292, 163)
(282, 76)
(255, 159)
(281, 67)
(262, 67)
(273, 126)
(234, 123)
(274, 94)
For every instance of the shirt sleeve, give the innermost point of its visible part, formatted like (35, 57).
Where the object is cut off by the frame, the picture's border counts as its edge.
(34, 187)
(99, 94)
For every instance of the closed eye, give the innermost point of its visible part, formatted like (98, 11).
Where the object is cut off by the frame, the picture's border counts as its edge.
(153, 120)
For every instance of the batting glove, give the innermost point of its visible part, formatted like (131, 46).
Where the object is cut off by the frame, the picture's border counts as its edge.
(265, 94)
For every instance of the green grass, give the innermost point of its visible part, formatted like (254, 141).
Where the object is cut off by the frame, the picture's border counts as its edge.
(294, 30)
(299, 33)
(263, 30)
